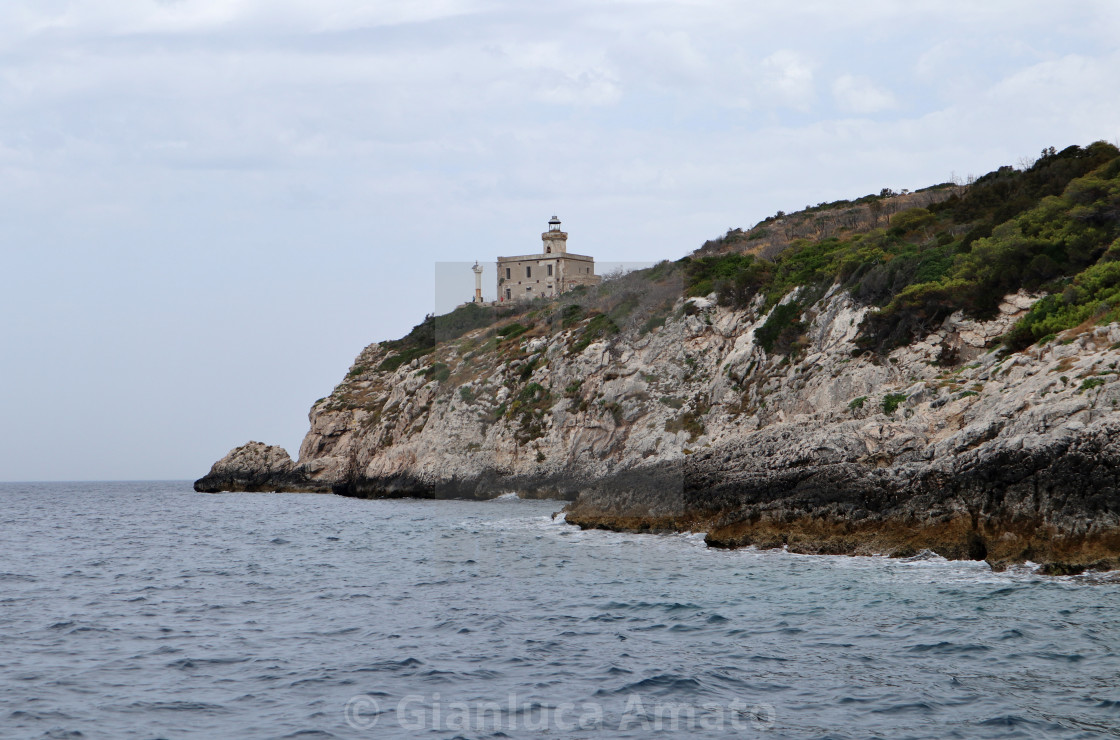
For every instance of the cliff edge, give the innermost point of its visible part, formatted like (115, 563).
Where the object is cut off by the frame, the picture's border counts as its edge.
(770, 405)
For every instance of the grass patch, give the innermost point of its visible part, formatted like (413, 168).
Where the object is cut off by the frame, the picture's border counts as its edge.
(403, 357)
(1090, 383)
(600, 327)
(512, 331)
(438, 372)
(673, 402)
(528, 410)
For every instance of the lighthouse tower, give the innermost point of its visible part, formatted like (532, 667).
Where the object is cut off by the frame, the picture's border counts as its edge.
(555, 240)
(477, 269)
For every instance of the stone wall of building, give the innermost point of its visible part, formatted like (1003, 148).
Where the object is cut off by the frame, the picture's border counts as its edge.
(551, 272)
(529, 276)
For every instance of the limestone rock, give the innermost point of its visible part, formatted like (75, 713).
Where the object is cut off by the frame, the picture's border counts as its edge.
(693, 425)
(254, 467)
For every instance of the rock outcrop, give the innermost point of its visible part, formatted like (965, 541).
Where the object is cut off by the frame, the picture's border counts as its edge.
(693, 425)
(255, 467)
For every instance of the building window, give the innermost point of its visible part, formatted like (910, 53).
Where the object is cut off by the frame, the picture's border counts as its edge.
(507, 273)
(508, 296)
(550, 270)
(528, 289)
(528, 272)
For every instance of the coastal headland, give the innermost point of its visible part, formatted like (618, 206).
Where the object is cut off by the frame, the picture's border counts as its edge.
(934, 370)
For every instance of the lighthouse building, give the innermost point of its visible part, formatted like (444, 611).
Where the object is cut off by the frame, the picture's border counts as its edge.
(552, 272)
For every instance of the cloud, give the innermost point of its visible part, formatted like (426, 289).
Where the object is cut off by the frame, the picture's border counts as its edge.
(788, 80)
(860, 95)
(297, 166)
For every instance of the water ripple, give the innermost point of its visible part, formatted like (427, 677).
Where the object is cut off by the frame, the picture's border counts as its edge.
(146, 610)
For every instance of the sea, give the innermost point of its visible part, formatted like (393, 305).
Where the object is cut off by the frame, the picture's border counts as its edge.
(146, 610)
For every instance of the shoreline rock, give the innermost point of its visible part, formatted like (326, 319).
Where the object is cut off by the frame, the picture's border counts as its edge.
(694, 427)
(257, 468)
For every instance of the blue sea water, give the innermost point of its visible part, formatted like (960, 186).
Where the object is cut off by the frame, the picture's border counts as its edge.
(145, 610)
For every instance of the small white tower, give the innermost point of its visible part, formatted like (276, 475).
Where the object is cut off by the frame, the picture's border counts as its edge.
(477, 269)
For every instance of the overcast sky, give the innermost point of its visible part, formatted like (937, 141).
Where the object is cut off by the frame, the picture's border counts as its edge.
(208, 207)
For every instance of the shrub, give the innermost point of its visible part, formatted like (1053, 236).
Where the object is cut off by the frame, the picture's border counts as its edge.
(438, 372)
(652, 323)
(571, 315)
(782, 329)
(624, 307)
(599, 327)
(704, 275)
(690, 422)
(615, 410)
(1090, 383)
(1093, 294)
(672, 402)
(513, 330)
(527, 369)
(394, 361)
(891, 402)
(528, 409)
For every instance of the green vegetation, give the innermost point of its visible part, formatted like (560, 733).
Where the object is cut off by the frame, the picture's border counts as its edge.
(782, 331)
(892, 401)
(600, 327)
(1090, 383)
(404, 356)
(528, 409)
(424, 336)
(1035, 229)
(704, 275)
(571, 315)
(857, 403)
(1093, 295)
(513, 330)
(438, 372)
(528, 368)
(690, 422)
(672, 402)
(625, 307)
(653, 322)
(615, 410)
(1051, 228)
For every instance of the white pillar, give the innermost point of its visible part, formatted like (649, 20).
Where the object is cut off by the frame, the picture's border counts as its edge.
(477, 282)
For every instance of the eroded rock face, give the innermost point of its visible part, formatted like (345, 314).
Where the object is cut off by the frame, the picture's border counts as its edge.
(255, 467)
(694, 426)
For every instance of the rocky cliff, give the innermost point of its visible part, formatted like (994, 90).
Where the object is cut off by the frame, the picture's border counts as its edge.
(940, 377)
(693, 425)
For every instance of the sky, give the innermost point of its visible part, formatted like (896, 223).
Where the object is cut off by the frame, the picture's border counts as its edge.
(209, 207)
